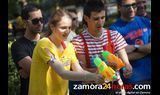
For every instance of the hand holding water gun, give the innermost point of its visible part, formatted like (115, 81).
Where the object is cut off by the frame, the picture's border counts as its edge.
(111, 58)
(107, 72)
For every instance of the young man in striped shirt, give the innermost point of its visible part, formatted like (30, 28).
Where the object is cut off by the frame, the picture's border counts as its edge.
(94, 39)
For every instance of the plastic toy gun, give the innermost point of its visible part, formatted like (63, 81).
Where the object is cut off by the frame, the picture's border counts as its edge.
(109, 57)
(107, 72)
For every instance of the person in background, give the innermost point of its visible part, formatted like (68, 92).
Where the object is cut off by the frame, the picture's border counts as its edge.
(137, 33)
(95, 39)
(142, 8)
(72, 34)
(19, 25)
(75, 24)
(53, 57)
(22, 48)
(22, 3)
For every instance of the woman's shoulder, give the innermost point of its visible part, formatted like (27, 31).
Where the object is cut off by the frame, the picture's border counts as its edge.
(69, 44)
(43, 41)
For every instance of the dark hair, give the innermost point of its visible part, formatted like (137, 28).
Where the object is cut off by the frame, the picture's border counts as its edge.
(72, 10)
(92, 6)
(119, 2)
(27, 9)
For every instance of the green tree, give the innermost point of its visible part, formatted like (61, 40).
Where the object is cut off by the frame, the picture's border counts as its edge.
(13, 77)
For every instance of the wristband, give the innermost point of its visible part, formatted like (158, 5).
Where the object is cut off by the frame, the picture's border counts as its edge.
(136, 47)
(52, 59)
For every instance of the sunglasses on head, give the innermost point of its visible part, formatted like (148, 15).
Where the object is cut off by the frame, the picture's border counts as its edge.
(37, 20)
(127, 6)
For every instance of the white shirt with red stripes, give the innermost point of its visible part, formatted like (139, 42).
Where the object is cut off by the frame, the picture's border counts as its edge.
(95, 45)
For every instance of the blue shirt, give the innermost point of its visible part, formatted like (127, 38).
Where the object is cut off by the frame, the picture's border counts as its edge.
(137, 32)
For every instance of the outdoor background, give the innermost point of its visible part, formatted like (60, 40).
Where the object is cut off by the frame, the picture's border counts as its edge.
(48, 5)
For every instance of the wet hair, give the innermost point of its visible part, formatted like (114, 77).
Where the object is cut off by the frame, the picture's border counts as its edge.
(56, 18)
(92, 6)
(27, 9)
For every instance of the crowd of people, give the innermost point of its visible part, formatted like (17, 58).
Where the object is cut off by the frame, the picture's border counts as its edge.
(54, 63)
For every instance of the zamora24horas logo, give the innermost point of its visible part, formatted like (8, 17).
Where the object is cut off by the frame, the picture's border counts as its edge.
(109, 86)
(92, 86)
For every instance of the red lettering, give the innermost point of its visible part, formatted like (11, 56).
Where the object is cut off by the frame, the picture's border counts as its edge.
(128, 86)
(114, 86)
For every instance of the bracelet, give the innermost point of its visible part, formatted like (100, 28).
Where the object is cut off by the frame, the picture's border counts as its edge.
(136, 47)
(52, 59)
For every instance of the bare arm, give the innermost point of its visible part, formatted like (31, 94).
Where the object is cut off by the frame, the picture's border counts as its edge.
(82, 60)
(143, 50)
(123, 55)
(76, 67)
(77, 75)
(25, 64)
(135, 55)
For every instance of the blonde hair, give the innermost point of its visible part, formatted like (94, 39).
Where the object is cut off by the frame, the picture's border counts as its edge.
(56, 18)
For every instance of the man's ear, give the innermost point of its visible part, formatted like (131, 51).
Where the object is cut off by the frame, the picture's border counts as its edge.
(24, 22)
(86, 18)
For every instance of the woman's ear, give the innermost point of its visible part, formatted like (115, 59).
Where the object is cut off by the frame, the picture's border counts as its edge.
(51, 27)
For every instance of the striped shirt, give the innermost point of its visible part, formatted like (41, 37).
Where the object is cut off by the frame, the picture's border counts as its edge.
(95, 45)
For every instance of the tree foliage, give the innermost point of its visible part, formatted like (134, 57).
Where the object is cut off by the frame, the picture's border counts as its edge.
(13, 77)
(14, 8)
